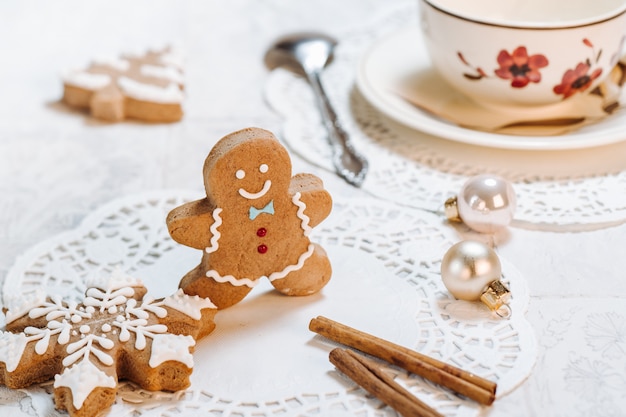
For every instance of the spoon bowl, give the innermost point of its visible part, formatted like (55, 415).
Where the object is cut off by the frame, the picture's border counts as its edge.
(307, 54)
(294, 51)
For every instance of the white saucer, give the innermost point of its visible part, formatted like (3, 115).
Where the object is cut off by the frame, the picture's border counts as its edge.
(403, 54)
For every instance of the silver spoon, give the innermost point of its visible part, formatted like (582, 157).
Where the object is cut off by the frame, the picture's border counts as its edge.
(307, 54)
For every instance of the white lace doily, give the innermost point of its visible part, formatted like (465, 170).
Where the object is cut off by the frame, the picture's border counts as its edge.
(262, 360)
(557, 190)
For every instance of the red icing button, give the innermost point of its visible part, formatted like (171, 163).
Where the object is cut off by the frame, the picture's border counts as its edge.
(261, 232)
(262, 249)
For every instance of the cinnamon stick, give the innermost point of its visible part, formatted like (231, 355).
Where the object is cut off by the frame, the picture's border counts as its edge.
(374, 380)
(456, 379)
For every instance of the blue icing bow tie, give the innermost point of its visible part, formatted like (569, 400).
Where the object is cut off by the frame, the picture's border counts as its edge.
(269, 209)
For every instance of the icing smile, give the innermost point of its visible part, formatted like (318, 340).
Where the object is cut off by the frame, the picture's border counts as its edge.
(253, 196)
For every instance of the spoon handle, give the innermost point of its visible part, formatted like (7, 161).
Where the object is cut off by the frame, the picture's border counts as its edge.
(349, 163)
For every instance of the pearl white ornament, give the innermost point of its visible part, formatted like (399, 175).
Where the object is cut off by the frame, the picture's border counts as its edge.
(485, 203)
(471, 271)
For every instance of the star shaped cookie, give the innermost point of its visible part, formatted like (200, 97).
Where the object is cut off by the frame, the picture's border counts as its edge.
(146, 87)
(114, 333)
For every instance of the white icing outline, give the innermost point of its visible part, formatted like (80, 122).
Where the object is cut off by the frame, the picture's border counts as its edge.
(239, 282)
(72, 378)
(12, 348)
(303, 217)
(113, 281)
(118, 64)
(191, 306)
(169, 73)
(253, 196)
(18, 306)
(171, 347)
(217, 222)
(149, 92)
(291, 268)
(86, 80)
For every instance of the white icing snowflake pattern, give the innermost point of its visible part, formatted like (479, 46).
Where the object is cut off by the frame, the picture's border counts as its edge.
(113, 321)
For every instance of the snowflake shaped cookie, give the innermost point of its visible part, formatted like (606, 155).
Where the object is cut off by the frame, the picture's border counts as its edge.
(114, 333)
(146, 87)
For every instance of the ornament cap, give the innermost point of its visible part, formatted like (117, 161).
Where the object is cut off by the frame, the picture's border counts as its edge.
(451, 210)
(497, 297)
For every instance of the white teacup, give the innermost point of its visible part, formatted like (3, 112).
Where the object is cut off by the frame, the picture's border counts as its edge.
(524, 53)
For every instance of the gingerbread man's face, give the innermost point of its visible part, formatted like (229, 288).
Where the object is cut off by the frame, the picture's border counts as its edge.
(267, 184)
(253, 172)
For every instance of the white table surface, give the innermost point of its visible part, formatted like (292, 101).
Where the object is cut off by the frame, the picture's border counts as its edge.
(576, 280)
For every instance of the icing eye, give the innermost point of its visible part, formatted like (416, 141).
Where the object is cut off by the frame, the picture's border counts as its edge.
(240, 174)
(263, 168)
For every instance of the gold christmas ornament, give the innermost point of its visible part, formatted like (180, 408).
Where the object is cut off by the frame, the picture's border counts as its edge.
(471, 271)
(485, 203)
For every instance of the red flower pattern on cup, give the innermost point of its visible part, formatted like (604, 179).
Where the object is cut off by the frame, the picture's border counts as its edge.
(576, 80)
(519, 67)
(579, 79)
(522, 69)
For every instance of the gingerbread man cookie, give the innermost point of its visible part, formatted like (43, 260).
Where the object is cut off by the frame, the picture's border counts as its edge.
(253, 223)
(147, 87)
(114, 333)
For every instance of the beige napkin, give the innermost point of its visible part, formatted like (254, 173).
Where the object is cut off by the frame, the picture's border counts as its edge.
(429, 92)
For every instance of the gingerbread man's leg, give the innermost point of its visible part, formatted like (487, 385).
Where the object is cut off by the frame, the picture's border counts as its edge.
(312, 277)
(221, 294)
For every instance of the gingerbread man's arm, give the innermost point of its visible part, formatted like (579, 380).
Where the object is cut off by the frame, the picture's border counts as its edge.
(313, 195)
(190, 224)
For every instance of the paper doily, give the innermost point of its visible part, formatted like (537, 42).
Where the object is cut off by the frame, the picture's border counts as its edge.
(559, 190)
(262, 360)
